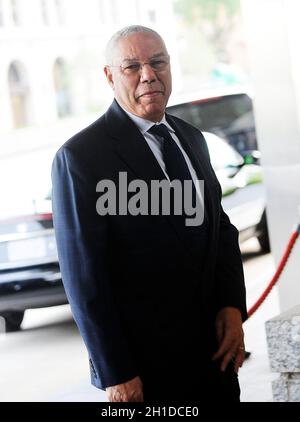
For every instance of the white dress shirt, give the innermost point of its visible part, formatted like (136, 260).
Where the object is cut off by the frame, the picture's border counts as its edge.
(156, 145)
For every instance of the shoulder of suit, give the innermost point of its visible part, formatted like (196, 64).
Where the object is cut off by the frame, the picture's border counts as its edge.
(88, 136)
(89, 148)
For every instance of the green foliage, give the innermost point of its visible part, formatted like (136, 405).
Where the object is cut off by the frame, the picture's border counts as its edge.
(191, 9)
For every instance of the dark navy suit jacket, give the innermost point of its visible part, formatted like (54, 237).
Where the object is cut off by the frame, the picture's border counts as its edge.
(137, 293)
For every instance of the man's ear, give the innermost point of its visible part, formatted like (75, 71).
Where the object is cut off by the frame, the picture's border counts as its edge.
(109, 76)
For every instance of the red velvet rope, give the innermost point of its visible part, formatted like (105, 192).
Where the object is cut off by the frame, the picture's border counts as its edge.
(279, 270)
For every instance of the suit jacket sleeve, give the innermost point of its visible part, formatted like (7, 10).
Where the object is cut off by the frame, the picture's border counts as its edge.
(229, 275)
(229, 268)
(82, 241)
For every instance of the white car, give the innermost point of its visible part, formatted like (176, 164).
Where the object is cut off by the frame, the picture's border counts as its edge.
(244, 197)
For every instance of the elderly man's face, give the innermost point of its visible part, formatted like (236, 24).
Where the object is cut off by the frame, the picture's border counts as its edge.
(142, 91)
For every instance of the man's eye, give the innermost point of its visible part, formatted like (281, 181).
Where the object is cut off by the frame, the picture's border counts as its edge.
(132, 67)
(158, 64)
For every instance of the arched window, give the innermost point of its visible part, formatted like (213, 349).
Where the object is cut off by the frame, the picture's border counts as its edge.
(114, 11)
(152, 15)
(45, 12)
(60, 13)
(19, 94)
(1, 14)
(101, 11)
(15, 12)
(61, 85)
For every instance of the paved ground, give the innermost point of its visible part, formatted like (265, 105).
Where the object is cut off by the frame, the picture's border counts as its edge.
(47, 360)
(255, 376)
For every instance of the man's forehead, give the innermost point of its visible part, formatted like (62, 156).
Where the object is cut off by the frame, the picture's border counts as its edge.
(139, 44)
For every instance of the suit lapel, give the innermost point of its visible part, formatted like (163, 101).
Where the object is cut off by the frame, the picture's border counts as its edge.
(131, 145)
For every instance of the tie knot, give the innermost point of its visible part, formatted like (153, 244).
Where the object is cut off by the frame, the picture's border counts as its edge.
(160, 130)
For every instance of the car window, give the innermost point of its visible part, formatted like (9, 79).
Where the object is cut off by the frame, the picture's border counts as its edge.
(222, 155)
(217, 112)
(229, 116)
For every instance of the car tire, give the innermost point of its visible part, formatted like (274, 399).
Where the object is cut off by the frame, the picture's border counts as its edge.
(13, 320)
(263, 236)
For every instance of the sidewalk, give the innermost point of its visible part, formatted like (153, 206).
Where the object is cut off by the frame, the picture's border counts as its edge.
(255, 375)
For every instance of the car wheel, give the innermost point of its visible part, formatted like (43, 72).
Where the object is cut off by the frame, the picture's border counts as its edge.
(263, 236)
(13, 320)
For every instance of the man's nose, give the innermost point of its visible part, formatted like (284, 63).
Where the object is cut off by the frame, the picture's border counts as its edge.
(147, 73)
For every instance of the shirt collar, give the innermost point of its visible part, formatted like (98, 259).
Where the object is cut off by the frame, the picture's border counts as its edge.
(143, 124)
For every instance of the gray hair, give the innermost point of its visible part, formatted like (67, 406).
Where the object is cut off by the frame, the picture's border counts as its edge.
(124, 32)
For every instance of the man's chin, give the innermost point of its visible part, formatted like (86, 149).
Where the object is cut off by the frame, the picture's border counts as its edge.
(155, 114)
(153, 109)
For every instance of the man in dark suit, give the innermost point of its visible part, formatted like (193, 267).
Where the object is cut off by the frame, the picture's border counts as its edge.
(159, 304)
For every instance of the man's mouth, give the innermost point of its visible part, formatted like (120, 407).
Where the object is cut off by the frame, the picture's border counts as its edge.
(150, 94)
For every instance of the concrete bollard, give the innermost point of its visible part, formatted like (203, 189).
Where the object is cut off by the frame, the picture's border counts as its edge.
(283, 340)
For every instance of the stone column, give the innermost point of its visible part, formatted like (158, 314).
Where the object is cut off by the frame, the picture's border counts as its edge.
(283, 340)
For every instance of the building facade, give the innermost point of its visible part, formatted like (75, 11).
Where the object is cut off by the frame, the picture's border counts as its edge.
(52, 55)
